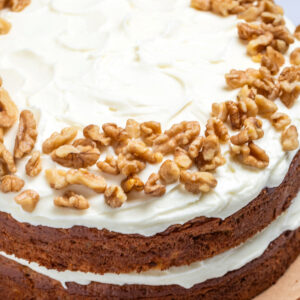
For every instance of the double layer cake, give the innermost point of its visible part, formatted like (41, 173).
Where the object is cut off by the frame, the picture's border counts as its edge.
(148, 148)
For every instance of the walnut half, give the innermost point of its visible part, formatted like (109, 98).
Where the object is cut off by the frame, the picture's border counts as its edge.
(28, 200)
(11, 184)
(72, 200)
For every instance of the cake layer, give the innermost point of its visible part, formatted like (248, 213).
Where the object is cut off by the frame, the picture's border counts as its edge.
(101, 251)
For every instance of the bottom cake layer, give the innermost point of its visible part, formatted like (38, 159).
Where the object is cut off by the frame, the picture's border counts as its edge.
(20, 282)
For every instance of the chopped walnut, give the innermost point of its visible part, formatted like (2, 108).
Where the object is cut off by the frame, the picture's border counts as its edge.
(251, 13)
(196, 146)
(5, 26)
(216, 127)
(295, 57)
(246, 103)
(82, 177)
(116, 133)
(115, 196)
(7, 159)
(169, 172)
(297, 33)
(130, 167)
(224, 7)
(252, 131)
(182, 159)
(132, 183)
(26, 135)
(204, 5)
(250, 155)
(272, 60)
(57, 178)
(93, 132)
(265, 107)
(259, 44)
(59, 139)
(11, 184)
(198, 182)
(289, 139)
(219, 111)
(34, 165)
(84, 143)
(72, 200)
(272, 18)
(153, 188)
(248, 31)
(280, 120)
(109, 166)
(76, 157)
(133, 129)
(150, 131)
(234, 115)
(8, 110)
(17, 5)
(28, 200)
(178, 135)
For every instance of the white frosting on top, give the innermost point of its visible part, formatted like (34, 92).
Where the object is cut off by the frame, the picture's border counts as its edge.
(77, 62)
(186, 276)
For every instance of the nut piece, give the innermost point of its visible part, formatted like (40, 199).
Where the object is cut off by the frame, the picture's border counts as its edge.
(265, 107)
(150, 131)
(219, 111)
(153, 188)
(58, 139)
(224, 7)
(8, 110)
(83, 177)
(235, 116)
(272, 60)
(297, 33)
(114, 196)
(289, 139)
(26, 135)
(109, 166)
(28, 200)
(259, 44)
(17, 5)
(216, 127)
(56, 178)
(76, 157)
(72, 200)
(34, 165)
(130, 167)
(280, 120)
(132, 183)
(4, 26)
(169, 172)
(7, 160)
(204, 5)
(248, 31)
(295, 57)
(182, 158)
(198, 182)
(133, 129)
(246, 103)
(250, 155)
(195, 147)
(92, 132)
(116, 133)
(11, 184)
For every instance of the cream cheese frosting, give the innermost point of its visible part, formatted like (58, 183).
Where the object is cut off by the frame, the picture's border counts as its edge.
(81, 62)
(186, 276)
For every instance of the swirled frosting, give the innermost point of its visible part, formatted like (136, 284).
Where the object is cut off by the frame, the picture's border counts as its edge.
(78, 62)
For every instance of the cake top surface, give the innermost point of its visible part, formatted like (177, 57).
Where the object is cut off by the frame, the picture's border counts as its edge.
(95, 62)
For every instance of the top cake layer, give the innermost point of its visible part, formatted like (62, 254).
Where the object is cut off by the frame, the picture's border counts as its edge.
(92, 62)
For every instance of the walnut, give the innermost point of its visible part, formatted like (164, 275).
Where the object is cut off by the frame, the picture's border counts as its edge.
(246, 103)
(142, 152)
(259, 44)
(109, 166)
(58, 139)
(28, 200)
(266, 85)
(34, 165)
(182, 158)
(250, 155)
(5, 26)
(72, 200)
(272, 18)
(7, 159)
(248, 31)
(289, 139)
(198, 182)
(224, 7)
(297, 33)
(178, 135)
(272, 60)
(17, 5)
(219, 111)
(237, 79)
(150, 131)
(83, 177)
(11, 183)
(93, 132)
(252, 131)
(26, 135)
(280, 120)
(8, 110)
(169, 172)
(132, 183)
(196, 146)
(251, 14)
(84, 143)
(57, 178)
(204, 5)
(280, 33)
(115, 196)
(216, 127)
(153, 188)
(265, 107)
(76, 157)
(128, 166)
(295, 57)
(133, 129)
(234, 115)
(116, 133)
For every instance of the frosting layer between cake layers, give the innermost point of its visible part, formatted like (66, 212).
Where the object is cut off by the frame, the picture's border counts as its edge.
(106, 61)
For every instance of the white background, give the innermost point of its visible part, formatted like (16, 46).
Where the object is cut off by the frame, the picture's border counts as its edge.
(292, 9)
